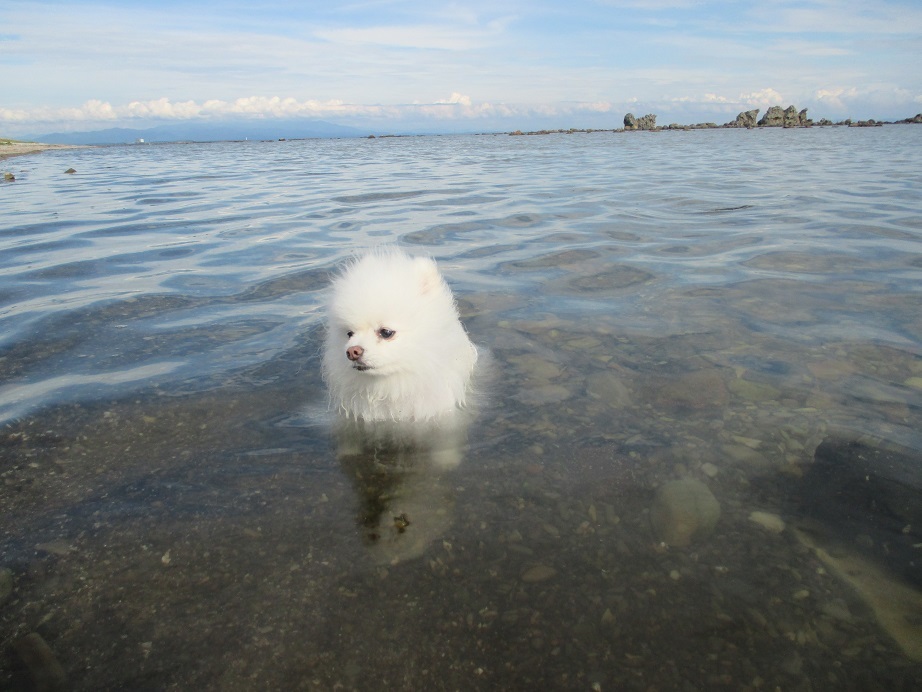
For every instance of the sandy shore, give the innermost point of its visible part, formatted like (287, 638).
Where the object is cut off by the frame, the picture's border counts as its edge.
(8, 150)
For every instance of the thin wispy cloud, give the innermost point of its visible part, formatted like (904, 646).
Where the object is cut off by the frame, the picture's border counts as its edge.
(408, 64)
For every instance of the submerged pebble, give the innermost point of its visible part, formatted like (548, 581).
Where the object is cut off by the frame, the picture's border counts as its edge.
(538, 573)
(709, 470)
(6, 583)
(545, 394)
(769, 521)
(684, 511)
(695, 390)
(610, 389)
(753, 391)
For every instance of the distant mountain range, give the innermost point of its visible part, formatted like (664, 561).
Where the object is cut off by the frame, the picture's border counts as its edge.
(206, 132)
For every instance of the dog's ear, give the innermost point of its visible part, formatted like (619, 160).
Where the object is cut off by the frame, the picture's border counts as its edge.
(427, 273)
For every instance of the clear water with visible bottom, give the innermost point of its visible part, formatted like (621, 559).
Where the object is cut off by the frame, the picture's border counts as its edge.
(695, 463)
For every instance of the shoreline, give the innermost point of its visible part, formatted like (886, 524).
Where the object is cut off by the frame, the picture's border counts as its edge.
(10, 149)
(775, 118)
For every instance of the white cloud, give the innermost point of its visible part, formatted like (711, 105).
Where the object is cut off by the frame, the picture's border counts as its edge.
(762, 98)
(835, 98)
(810, 49)
(597, 107)
(868, 100)
(419, 37)
(455, 106)
(457, 98)
(838, 17)
(706, 98)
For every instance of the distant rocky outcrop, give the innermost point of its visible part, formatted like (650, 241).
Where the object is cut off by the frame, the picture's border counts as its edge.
(776, 116)
(646, 122)
(788, 117)
(746, 119)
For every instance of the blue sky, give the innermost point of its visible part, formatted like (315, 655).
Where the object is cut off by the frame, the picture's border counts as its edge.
(427, 65)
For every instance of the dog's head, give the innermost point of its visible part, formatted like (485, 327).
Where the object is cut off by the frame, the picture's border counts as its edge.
(386, 314)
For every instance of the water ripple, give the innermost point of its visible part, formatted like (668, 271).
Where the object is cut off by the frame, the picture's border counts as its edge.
(245, 234)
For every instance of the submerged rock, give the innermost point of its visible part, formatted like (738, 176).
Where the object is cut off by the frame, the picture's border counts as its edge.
(6, 583)
(610, 389)
(701, 389)
(684, 511)
(868, 498)
(42, 669)
(753, 391)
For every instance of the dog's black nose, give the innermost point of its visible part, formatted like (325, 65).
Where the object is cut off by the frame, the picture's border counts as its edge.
(354, 352)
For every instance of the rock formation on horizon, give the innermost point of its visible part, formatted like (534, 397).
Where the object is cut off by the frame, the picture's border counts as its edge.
(647, 122)
(746, 119)
(788, 117)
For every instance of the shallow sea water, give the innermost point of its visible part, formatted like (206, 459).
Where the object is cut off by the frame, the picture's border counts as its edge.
(666, 314)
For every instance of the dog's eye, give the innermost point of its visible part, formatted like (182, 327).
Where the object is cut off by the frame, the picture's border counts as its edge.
(386, 333)
(350, 334)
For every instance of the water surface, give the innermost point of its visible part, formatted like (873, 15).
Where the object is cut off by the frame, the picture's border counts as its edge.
(699, 307)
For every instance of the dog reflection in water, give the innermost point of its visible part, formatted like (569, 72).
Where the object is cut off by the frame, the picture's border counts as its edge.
(402, 476)
(399, 367)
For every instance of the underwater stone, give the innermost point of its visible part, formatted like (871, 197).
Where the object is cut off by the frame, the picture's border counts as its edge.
(537, 367)
(768, 521)
(610, 389)
(746, 456)
(538, 573)
(45, 672)
(753, 391)
(695, 390)
(545, 394)
(684, 511)
(6, 583)
(868, 497)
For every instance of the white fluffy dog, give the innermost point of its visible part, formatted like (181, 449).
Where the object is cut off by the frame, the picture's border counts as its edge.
(395, 348)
